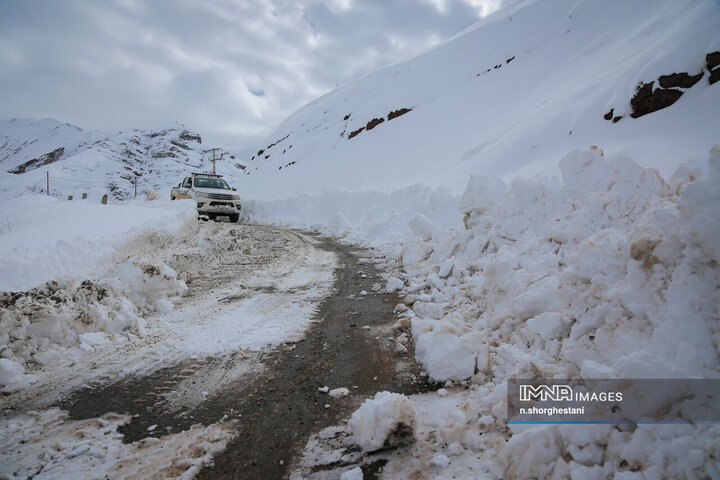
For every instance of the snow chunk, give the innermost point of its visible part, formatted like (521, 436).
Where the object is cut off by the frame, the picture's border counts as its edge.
(424, 228)
(354, 474)
(414, 253)
(339, 392)
(445, 356)
(163, 305)
(440, 460)
(10, 372)
(394, 284)
(482, 193)
(429, 310)
(388, 420)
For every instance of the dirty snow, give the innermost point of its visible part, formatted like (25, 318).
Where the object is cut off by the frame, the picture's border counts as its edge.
(45, 445)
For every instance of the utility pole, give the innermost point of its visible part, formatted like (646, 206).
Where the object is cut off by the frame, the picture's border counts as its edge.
(135, 181)
(47, 182)
(214, 160)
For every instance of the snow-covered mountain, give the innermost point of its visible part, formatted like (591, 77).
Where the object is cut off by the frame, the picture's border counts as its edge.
(512, 95)
(80, 161)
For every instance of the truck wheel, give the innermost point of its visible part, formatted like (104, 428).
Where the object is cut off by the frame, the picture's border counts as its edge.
(212, 216)
(234, 217)
(172, 197)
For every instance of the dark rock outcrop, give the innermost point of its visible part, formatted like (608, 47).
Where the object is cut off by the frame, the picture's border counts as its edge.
(398, 113)
(182, 145)
(374, 123)
(647, 101)
(679, 80)
(609, 115)
(712, 60)
(190, 137)
(714, 76)
(42, 160)
(355, 133)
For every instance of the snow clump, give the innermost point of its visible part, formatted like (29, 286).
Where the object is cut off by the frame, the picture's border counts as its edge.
(388, 420)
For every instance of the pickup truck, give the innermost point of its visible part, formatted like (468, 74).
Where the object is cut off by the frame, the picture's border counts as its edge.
(212, 194)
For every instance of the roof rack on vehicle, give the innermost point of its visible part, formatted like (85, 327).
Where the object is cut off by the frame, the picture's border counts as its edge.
(207, 174)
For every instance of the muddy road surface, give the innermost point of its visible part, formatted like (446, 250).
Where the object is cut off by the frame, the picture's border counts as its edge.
(270, 396)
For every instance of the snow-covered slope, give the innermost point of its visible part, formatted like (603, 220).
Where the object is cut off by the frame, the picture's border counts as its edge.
(600, 267)
(81, 161)
(510, 95)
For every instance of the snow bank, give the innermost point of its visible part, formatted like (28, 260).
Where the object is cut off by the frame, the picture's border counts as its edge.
(611, 273)
(608, 272)
(39, 325)
(375, 218)
(95, 285)
(388, 420)
(44, 238)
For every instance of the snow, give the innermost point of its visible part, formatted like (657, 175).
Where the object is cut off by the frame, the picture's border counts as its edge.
(97, 163)
(571, 63)
(604, 273)
(44, 238)
(12, 375)
(53, 446)
(339, 392)
(386, 420)
(530, 237)
(393, 285)
(354, 474)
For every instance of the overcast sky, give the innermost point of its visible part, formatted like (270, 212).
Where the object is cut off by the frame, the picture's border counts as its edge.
(232, 70)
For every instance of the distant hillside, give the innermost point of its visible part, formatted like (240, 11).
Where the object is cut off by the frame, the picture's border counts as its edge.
(81, 161)
(512, 95)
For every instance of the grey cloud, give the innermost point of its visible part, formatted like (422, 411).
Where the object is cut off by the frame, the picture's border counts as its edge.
(232, 70)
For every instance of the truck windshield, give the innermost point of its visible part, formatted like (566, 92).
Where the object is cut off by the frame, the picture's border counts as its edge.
(211, 183)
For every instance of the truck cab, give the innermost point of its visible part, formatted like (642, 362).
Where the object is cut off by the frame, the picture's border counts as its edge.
(212, 194)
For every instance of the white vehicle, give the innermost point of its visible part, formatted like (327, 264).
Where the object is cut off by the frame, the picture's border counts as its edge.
(212, 194)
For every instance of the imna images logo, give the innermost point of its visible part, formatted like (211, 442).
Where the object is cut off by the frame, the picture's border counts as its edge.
(543, 393)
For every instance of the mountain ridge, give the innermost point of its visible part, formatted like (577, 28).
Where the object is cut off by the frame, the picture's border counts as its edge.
(96, 160)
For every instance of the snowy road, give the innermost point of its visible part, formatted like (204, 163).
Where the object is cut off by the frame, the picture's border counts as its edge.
(270, 316)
